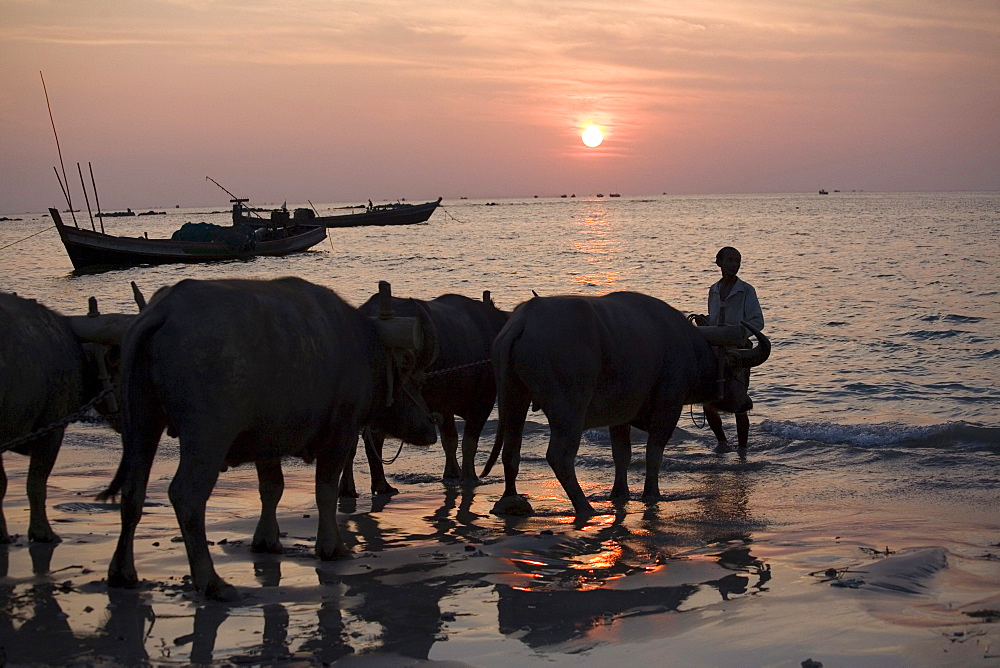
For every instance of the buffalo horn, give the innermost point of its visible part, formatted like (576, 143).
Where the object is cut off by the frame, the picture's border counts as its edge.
(140, 300)
(107, 329)
(759, 353)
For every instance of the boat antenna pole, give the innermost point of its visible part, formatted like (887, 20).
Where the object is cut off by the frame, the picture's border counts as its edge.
(97, 200)
(86, 198)
(233, 198)
(221, 186)
(69, 201)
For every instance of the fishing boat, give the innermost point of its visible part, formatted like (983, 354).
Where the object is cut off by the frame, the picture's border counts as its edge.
(92, 250)
(398, 213)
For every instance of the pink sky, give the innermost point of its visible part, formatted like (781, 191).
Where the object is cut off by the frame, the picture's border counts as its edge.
(345, 101)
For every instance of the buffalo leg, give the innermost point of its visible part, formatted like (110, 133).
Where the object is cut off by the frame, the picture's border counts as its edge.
(474, 424)
(449, 443)
(347, 486)
(564, 443)
(270, 484)
(658, 437)
(121, 570)
(4, 536)
(196, 476)
(374, 439)
(330, 462)
(43, 458)
(621, 451)
(512, 428)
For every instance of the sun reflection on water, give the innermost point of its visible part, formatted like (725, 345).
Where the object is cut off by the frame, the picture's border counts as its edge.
(597, 241)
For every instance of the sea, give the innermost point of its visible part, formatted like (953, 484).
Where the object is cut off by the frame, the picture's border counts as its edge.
(878, 409)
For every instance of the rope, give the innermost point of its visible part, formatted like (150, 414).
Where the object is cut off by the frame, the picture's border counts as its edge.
(704, 420)
(26, 238)
(38, 433)
(458, 367)
(394, 457)
(447, 213)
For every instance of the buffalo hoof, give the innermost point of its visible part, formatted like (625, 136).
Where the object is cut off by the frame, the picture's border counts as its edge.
(470, 480)
(43, 536)
(516, 504)
(220, 591)
(348, 492)
(652, 498)
(619, 495)
(123, 580)
(262, 546)
(339, 551)
(385, 489)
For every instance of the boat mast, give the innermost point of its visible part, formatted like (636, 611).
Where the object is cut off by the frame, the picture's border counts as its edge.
(97, 200)
(69, 200)
(86, 198)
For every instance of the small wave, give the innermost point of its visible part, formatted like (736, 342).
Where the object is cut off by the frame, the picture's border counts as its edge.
(932, 335)
(864, 388)
(949, 434)
(952, 317)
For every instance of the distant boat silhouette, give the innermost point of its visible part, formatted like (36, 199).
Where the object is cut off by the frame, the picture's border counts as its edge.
(378, 214)
(94, 251)
(115, 214)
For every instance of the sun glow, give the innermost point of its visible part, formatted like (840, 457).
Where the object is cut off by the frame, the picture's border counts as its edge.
(592, 136)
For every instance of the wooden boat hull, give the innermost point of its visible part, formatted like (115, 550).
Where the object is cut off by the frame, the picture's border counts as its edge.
(399, 214)
(90, 250)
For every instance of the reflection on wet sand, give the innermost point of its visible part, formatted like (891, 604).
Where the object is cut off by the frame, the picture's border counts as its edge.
(551, 580)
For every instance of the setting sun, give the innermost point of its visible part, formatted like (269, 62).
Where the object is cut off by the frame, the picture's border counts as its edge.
(592, 136)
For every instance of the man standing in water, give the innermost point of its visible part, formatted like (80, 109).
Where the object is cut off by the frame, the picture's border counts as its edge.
(731, 301)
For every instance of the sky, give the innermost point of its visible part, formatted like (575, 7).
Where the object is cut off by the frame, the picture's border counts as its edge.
(328, 101)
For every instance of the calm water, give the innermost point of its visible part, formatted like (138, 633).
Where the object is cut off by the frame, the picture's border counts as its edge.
(883, 308)
(877, 416)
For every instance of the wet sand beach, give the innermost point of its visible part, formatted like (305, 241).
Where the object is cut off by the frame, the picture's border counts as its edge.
(732, 569)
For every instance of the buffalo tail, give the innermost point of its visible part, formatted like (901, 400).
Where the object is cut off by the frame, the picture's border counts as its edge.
(494, 454)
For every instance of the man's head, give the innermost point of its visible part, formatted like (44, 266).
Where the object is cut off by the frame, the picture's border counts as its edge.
(728, 259)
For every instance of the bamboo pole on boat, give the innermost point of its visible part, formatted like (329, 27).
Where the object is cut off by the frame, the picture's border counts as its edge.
(61, 187)
(66, 193)
(328, 237)
(97, 200)
(85, 197)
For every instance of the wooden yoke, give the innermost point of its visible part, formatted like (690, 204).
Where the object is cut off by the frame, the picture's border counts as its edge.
(402, 332)
(397, 333)
(723, 336)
